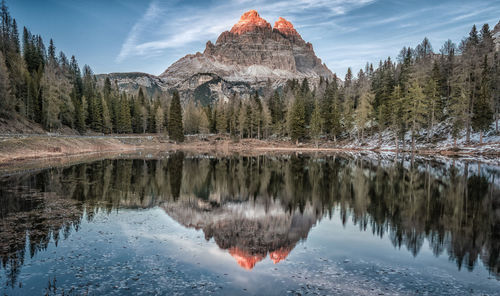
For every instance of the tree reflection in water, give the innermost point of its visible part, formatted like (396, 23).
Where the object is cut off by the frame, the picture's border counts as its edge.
(255, 207)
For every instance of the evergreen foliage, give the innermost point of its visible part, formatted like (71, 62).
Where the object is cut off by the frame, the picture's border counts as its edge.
(175, 129)
(460, 86)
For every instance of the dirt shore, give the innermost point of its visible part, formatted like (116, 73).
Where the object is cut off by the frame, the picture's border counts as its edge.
(30, 147)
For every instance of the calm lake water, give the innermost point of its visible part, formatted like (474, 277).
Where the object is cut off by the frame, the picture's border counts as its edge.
(294, 224)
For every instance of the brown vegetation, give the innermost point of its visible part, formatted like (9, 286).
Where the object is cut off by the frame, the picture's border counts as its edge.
(19, 148)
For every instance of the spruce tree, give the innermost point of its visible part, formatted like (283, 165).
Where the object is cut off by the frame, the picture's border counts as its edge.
(80, 116)
(175, 129)
(159, 114)
(52, 51)
(365, 111)
(297, 124)
(107, 125)
(433, 101)
(482, 113)
(316, 123)
(326, 105)
(125, 122)
(336, 117)
(347, 115)
(397, 119)
(416, 110)
(6, 98)
(191, 118)
(221, 119)
(459, 111)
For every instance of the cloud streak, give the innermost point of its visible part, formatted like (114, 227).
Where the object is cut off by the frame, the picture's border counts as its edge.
(344, 32)
(146, 20)
(174, 30)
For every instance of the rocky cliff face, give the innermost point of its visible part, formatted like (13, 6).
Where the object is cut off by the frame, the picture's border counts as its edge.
(131, 82)
(496, 36)
(244, 59)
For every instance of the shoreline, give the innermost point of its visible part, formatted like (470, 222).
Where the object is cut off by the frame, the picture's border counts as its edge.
(20, 148)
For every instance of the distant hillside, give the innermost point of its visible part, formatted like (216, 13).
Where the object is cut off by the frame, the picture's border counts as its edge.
(131, 82)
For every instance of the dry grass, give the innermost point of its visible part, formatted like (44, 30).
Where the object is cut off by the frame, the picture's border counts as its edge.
(15, 149)
(44, 147)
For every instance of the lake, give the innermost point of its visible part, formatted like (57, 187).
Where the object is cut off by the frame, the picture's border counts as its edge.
(263, 225)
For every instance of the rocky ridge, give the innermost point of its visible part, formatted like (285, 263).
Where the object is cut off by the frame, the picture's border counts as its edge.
(496, 36)
(249, 57)
(245, 58)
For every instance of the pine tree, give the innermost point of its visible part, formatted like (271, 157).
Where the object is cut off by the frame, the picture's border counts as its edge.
(326, 105)
(459, 109)
(397, 118)
(482, 113)
(416, 110)
(191, 118)
(487, 44)
(95, 113)
(221, 120)
(433, 101)
(80, 116)
(51, 100)
(336, 116)
(159, 113)
(266, 121)
(204, 122)
(348, 78)
(235, 114)
(276, 108)
(496, 88)
(316, 123)
(246, 128)
(175, 129)
(297, 120)
(140, 112)
(52, 51)
(347, 115)
(6, 98)
(125, 122)
(107, 125)
(365, 111)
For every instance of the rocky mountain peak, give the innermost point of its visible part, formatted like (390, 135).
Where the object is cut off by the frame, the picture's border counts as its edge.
(285, 27)
(244, 60)
(496, 36)
(248, 22)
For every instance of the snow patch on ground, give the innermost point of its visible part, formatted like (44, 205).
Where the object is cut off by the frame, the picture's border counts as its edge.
(439, 139)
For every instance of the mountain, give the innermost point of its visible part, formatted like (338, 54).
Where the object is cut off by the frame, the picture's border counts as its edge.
(130, 82)
(248, 230)
(245, 58)
(496, 36)
(248, 58)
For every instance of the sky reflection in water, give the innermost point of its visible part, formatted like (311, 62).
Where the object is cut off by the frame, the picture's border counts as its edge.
(239, 225)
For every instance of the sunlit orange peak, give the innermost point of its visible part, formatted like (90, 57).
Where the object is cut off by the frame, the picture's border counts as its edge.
(244, 259)
(248, 22)
(285, 27)
(279, 255)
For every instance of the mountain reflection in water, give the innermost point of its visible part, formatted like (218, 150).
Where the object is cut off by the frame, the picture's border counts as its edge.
(255, 207)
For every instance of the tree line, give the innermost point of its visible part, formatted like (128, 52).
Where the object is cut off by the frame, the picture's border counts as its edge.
(459, 86)
(40, 85)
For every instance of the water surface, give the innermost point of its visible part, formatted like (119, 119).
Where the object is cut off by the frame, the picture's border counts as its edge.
(293, 224)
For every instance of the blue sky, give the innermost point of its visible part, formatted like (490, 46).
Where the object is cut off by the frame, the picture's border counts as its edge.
(148, 36)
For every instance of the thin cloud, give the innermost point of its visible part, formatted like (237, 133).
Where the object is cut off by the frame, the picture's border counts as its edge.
(146, 20)
(344, 32)
(202, 24)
